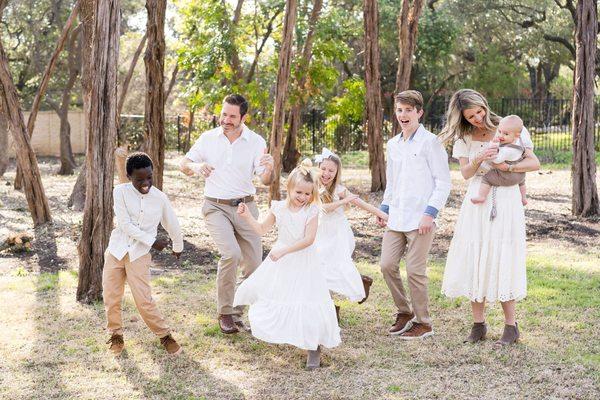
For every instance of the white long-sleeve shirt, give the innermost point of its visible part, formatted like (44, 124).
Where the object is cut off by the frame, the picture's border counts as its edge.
(418, 179)
(235, 164)
(137, 217)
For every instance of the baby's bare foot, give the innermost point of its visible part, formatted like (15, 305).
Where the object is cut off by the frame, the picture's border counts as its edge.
(478, 200)
(524, 201)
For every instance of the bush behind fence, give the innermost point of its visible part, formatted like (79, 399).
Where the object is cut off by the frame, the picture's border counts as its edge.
(548, 121)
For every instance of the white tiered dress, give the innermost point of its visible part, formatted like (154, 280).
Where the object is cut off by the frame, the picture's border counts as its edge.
(289, 299)
(335, 245)
(486, 258)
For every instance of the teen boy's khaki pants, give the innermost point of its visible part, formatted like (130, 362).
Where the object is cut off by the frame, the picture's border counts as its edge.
(416, 248)
(137, 275)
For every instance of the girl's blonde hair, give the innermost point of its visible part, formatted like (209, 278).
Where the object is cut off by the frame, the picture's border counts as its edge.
(305, 172)
(328, 192)
(457, 126)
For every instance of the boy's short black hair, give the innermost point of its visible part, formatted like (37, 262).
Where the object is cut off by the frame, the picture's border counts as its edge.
(237, 100)
(137, 160)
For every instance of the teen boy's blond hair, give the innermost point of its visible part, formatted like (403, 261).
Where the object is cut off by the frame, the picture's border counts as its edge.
(413, 98)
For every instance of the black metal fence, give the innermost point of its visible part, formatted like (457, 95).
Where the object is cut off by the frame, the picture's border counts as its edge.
(548, 121)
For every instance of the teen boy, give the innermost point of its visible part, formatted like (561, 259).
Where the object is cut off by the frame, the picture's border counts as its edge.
(418, 185)
(139, 208)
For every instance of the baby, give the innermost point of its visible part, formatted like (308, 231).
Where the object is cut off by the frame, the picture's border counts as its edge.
(510, 151)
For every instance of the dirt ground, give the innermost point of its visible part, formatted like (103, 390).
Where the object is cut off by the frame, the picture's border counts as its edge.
(548, 218)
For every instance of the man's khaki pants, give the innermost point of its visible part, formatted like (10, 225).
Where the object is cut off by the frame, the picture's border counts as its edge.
(137, 274)
(416, 248)
(238, 244)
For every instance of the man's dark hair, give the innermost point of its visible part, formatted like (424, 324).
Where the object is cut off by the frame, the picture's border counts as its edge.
(237, 100)
(137, 160)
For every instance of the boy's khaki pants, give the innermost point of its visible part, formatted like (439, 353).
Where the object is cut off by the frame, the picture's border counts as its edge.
(416, 249)
(137, 274)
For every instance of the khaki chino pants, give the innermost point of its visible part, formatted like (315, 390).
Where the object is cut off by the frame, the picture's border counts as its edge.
(416, 249)
(137, 275)
(238, 244)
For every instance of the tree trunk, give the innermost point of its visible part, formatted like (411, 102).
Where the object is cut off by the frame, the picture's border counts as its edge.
(3, 139)
(291, 155)
(154, 114)
(127, 80)
(585, 193)
(26, 160)
(373, 93)
(87, 9)
(408, 25)
(67, 161)
(283, 75)
(44, 84)
(172, 82)
(102, 117)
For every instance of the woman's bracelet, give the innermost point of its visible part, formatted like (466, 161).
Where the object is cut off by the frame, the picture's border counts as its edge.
(475, 164)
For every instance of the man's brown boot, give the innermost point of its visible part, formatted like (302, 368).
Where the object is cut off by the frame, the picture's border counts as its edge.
(402, 324)
(170, 345)
(478, 332)
(509, 336)
(367, 282)
(227, 325)
(116, 344)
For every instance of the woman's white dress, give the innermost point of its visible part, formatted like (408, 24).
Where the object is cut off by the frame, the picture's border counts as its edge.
(289, 299)
(335, 245)
(486, 259)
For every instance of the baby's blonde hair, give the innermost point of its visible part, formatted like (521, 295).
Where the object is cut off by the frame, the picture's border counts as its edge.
(515, 121)
(457, 126)
(328, 192)
(304, 172)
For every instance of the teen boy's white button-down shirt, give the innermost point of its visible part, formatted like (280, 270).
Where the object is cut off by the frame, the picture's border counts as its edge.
(418, 179)
(137, 217)
(234, 163)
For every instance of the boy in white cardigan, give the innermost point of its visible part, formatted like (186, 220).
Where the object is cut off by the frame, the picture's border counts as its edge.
(418, 185)
(139, 208)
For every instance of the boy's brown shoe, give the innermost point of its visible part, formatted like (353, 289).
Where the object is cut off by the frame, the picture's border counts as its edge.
(227, 324)
(170, 345)
(402, 324)
(116, 344)
(417, 331)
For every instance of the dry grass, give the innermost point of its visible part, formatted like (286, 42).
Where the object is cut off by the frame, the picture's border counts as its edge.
(54, 347)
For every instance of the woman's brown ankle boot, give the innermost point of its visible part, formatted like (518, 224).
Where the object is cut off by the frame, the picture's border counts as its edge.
(509, 336)
(478, 332)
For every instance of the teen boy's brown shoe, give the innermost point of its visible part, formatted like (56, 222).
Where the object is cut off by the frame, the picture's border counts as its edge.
(116, 344)
(417, 331)
(170, 345)
(402, 324)
(367, 282)
(227, 325)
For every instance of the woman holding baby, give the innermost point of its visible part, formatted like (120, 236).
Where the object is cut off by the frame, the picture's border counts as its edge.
(486, 259)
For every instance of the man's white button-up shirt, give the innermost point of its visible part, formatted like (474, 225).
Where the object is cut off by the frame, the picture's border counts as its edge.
(234, 163)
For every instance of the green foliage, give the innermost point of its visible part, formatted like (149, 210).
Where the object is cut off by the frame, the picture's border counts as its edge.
(348, 108)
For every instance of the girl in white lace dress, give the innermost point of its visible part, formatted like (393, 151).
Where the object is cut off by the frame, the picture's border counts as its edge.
(288, 295)
(486, 259)
(335, 240)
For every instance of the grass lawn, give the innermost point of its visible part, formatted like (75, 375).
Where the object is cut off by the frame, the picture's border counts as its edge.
(54, 347)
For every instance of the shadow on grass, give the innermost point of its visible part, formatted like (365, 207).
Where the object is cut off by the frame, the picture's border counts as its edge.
(180, 377)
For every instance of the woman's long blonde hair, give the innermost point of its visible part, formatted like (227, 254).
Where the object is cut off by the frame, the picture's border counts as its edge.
(457, 126)
(305, 172)
(328, 192)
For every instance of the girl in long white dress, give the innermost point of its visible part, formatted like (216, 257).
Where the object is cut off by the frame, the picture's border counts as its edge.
(335, 240)
(486, 259)
(288, 295)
